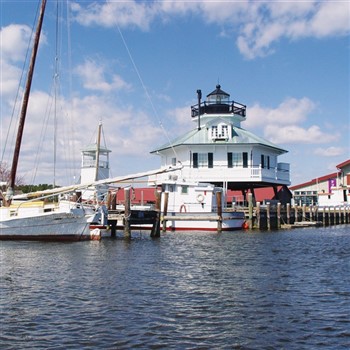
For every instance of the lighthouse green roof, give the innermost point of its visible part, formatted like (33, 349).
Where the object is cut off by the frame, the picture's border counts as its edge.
(201, 137)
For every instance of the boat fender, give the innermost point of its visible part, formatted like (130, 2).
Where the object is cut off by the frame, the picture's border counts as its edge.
(183, 209)
(245, 225)
(200, 198)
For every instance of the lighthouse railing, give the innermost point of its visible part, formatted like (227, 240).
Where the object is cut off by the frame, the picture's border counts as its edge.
(229, 107)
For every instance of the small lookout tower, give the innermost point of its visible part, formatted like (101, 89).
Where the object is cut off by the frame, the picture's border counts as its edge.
(94, 167)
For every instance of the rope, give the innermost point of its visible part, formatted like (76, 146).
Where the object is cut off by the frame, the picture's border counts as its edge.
(145, 89)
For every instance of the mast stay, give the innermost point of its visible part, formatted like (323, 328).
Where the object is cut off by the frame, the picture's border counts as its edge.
(10, 189)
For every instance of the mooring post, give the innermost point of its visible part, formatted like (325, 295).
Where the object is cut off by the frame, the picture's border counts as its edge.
(258, 215)
(304, 213)
(127, 213)
(219, 210)
(114, 207)
(268, 216)
(311, 208)
(165, 209)
(324, 216)
(155, 232)
(250, 208)
(316, 213)
(288, 213)
(278, 215)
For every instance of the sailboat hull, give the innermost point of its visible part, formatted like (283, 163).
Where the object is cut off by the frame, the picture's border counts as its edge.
(49, 227)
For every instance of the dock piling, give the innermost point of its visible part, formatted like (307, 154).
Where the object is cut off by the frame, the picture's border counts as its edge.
(127, 213)
(219, 210)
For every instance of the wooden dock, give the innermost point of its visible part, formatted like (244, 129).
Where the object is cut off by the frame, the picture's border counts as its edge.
(260, 217)
(280, 217)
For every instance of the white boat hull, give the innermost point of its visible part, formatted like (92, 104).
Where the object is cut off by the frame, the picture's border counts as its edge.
(190, 222)
(60, 226)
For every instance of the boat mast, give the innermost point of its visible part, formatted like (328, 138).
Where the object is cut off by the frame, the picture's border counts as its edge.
(98, 142)
(9, 192)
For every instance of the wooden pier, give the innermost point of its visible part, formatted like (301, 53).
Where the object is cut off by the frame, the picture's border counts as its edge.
(277, 217)
(260, 217)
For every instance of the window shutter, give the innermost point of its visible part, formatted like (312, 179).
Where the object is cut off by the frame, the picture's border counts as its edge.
(245, 160)
(195, 160)
(229, 160)
(210, 160)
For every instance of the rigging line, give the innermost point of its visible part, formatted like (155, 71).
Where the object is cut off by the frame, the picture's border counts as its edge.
(72, 147)
(145, 89)
(19, 85)
(56, 82)
(43, 132)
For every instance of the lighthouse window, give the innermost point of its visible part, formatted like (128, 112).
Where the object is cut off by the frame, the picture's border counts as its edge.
(220, 132)
(236, 159)
(214, 132)
(224, 132)
(202, 160)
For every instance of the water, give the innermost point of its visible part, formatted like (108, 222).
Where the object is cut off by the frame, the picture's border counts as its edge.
(260, 290)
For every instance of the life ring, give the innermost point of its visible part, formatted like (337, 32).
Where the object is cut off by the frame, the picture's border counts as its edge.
(200, 198)
(183, 209)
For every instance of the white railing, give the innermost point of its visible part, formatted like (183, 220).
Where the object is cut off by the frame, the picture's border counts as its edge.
(222, 173)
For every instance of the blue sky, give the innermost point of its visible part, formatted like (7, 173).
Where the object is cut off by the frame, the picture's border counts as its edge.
(136, 66)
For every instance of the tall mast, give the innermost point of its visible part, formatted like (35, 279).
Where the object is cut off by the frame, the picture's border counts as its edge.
(25, 105)
(98, 142)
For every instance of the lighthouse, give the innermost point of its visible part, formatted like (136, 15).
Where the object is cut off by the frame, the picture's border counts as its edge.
(221, 152)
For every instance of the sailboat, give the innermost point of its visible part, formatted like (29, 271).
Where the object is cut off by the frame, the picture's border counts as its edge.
(35, 219)
(30, 216)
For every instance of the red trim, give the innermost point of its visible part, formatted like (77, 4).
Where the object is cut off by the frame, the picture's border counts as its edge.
(49, 238)
(314, 181)
(342, 165)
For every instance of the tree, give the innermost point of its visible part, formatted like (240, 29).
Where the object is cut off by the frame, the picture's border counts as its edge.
(5, 173)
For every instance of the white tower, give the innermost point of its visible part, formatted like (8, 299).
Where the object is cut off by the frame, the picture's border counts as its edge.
(94, 167)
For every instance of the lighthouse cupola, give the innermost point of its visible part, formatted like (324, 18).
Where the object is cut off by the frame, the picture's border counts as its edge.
(218, 104)
(218, 96)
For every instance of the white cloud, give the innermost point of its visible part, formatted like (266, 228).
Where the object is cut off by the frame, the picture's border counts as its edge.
(258, 25)
(292, 20)
(14, 42)
(290, 111)
(94, 75)
(295, 134)
(284, 124)
(121, 13)
(331, 151)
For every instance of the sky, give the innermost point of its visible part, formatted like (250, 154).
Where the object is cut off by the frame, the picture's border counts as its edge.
(135, 66)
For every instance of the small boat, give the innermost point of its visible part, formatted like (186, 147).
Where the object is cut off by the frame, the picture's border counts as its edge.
(197, 207)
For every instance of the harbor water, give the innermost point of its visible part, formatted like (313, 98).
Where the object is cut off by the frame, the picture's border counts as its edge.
(240, 290)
